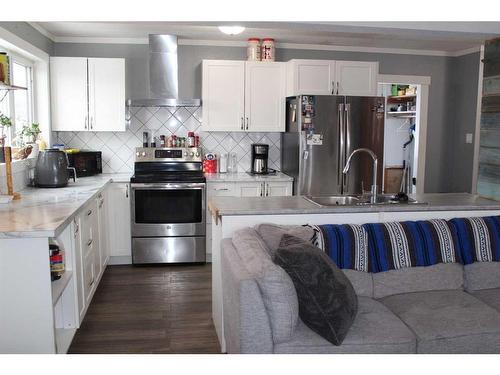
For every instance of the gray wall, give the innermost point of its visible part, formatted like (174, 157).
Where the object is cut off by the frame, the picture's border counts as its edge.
(439, 177)
(27, 32)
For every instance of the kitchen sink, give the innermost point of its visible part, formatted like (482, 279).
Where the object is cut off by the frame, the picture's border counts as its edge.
(335, 200)
(358, 200)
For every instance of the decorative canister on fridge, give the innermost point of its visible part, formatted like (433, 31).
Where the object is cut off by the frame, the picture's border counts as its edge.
(253, 49)
(267, 49)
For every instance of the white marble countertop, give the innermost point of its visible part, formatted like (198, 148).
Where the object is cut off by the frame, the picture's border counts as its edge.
(245, 177)
(227, 206)
(45, 212)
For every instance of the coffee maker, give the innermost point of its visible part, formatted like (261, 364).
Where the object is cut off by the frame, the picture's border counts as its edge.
(260, 156)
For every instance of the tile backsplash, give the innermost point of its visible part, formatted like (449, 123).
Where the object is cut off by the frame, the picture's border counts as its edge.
(118, 148)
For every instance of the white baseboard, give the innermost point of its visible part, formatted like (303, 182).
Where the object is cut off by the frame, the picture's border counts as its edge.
(117, 260)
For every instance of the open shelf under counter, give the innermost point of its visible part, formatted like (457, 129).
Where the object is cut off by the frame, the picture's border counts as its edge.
(58, 286)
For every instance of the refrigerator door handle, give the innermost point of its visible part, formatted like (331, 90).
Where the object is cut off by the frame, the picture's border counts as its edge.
(348, 137)
(340, 159)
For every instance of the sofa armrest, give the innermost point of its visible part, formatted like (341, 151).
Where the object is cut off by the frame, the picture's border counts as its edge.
(246, 325)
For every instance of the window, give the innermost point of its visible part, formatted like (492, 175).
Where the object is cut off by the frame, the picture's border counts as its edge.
(18, 104)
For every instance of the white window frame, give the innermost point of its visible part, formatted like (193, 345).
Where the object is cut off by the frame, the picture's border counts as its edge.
(14, 57)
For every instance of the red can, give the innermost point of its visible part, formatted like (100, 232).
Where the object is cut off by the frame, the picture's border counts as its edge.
(210, 166)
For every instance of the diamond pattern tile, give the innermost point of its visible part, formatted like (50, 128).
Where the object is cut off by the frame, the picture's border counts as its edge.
(118, 148)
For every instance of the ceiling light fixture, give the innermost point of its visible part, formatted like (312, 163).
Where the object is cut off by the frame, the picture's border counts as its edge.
(231, 30)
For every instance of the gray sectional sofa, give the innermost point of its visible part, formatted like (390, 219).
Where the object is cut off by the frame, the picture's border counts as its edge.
(444, 308)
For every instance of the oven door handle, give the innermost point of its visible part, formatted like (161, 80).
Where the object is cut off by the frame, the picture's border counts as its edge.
(193, 186)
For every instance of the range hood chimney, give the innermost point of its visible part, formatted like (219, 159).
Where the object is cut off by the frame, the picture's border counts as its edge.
(163, 75)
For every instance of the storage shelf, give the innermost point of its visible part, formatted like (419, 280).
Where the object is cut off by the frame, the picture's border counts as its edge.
(402, 113)
(3, 86)
(402, 97)
(58, 286)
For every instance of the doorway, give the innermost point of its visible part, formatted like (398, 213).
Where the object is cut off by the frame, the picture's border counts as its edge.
(405, 132)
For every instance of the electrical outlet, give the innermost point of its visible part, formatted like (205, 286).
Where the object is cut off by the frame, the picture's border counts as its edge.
(468, 138)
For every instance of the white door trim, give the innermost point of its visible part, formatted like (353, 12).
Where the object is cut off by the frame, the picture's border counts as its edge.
(475, 163)
(421, 136)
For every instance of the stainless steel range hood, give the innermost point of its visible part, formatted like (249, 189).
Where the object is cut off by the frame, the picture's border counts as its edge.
(163, 75)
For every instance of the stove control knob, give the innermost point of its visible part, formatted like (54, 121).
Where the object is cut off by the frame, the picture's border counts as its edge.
(191, 154)
(143, 153)
(197, 154)
(185, 154)
(137, 153)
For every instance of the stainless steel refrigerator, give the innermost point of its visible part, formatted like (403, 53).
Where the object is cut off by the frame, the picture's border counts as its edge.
(321, 132)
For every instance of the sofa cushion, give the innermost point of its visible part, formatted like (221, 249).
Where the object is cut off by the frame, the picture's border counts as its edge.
(362, 282)
(482, 275)
(278, 291)
(489, 296)
(272, 234)
(479, 238)
(327, 300)
(374, 330)
(449, 321)
(443, 276)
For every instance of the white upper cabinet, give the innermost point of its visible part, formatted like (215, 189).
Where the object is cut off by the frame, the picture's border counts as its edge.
(243, 96)
(265, 85)
(356, 78)
(223, 95)
(87, 94)
(331, 77)
(68, 83)
(310, 77)
(106, 94)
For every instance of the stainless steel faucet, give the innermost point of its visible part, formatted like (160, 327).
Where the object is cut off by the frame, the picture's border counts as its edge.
(373, 198)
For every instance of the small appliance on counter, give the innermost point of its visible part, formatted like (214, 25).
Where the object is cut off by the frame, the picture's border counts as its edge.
(85, 162)
(260, 159)
(52, 169)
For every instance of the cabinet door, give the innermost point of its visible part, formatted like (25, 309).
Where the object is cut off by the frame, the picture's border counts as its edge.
(250, 189)
(278, 189)
(119, 221)
(68, 93)
(223, 95)
(357, 78)
(81, 302)
(311, 77)
(107, 94)
(265, 86)
(103, 229)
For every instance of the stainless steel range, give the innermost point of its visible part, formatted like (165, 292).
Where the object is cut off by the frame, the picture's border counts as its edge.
(168, 206)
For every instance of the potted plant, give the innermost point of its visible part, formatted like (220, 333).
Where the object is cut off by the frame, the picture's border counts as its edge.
(31, 132)
(5, 122)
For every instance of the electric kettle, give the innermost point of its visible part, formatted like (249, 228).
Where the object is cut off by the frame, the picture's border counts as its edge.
(51, 170)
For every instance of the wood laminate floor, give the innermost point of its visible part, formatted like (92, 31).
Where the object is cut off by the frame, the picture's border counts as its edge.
(161, 309)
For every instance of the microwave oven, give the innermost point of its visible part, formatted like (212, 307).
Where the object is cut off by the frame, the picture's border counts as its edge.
(86, 163)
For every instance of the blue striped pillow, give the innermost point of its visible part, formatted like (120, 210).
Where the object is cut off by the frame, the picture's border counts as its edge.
(479, 238)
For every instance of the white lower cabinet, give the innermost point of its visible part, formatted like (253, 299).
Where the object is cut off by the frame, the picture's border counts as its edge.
(242, 189)
(118, 232)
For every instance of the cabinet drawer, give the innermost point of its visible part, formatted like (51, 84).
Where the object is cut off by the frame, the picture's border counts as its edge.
(221, 189)
(89, 228)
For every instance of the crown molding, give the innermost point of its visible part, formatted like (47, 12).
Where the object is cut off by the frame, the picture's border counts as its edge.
(232, 43)
(42, 30)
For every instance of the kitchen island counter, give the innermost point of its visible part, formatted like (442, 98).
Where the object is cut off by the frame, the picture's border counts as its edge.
(229, 206)
(43, 212)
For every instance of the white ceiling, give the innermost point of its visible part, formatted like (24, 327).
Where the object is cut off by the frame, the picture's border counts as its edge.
(447, 37)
